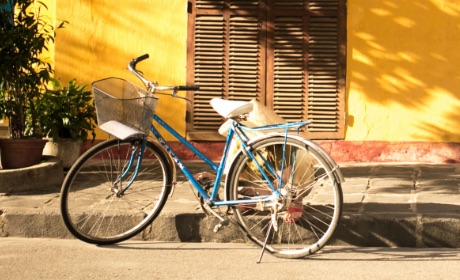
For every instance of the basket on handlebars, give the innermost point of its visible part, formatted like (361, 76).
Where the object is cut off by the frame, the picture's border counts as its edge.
(119, 100)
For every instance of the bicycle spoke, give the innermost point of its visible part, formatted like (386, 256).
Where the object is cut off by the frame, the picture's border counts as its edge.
(93, 205)
(309, 205)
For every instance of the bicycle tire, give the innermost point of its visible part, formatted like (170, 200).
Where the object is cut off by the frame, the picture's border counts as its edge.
(90, 207)
(309, 189)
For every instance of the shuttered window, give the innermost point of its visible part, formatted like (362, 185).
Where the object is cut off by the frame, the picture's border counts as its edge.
(287, 54)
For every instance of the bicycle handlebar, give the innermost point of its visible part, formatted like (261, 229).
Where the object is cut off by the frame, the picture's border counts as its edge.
(185, 88)
(136, 60)
(177, 88)
(151, 85)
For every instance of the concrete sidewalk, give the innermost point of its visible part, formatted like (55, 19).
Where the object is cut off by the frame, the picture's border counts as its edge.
(385, 204)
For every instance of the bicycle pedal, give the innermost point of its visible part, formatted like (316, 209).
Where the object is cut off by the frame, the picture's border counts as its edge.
(223, 221)
(220, 225)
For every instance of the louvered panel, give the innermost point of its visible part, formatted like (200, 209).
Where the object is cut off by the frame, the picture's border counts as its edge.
(323, 4)
(289, 4)
(243, 58)
(323, 77)
(210, 4)
(209, 69)
(244, 4)
(288, 99)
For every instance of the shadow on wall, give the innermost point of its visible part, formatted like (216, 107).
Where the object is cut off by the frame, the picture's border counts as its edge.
(403, 55)
(102, 37)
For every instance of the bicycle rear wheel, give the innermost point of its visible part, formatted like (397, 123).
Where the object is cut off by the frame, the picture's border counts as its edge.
(93, 206)
(304, 218)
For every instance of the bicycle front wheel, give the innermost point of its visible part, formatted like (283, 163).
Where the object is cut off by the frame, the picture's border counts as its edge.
(302, 220)
(97, 207)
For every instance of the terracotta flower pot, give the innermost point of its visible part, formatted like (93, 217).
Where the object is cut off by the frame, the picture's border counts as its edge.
(19, 153)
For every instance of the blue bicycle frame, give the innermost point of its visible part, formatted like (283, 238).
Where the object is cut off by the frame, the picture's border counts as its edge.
(235, 128)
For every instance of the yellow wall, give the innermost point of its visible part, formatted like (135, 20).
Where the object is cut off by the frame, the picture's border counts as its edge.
(403, 73)
(403, 70)
(103, 35)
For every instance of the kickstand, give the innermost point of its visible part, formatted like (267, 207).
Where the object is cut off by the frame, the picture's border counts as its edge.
(265, 243)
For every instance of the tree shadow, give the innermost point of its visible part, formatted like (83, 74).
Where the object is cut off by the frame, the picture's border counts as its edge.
(400, 56)
(105, 38)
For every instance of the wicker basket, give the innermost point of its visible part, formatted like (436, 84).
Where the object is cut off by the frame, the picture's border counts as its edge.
(119, 100)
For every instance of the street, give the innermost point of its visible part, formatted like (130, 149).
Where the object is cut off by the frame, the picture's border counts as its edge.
(31, 258)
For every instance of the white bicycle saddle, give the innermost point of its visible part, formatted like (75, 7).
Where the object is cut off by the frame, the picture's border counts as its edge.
(229, 108)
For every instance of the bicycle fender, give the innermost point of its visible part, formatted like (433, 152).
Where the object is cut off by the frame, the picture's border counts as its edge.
(329, 160)
(332, 164)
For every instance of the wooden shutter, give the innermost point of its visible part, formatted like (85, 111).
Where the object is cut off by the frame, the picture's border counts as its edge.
(307, 81)
(209, 71)
(288, 54)
(228, 60)
(289, 81)
(326, 68)
(323, 79)
(244, 58)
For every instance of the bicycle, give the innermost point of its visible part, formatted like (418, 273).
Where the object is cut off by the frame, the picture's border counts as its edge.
(282, 190)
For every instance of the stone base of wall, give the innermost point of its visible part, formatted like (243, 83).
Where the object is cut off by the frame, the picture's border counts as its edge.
(366, 151)
(352, 151)
(382, 151)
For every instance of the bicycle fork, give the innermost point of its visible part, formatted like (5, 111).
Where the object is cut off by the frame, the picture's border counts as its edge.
(137, 151)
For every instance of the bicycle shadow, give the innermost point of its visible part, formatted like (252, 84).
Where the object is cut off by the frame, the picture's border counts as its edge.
(178, 246)
(387, 254)
(329, 253)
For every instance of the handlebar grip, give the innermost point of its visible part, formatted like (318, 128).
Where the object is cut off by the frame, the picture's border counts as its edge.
(185, 88)
(136, 60)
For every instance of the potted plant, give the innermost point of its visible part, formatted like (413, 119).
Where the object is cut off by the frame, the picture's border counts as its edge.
(67, 116)
(25, 35)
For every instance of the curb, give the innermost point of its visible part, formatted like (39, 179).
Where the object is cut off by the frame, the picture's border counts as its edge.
(353, 230)
(397, 205)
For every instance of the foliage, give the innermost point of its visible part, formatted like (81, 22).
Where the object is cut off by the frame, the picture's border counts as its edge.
(67, 112)
(25, 35)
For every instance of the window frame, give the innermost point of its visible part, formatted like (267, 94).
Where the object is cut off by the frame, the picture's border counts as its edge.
(266, 15)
